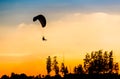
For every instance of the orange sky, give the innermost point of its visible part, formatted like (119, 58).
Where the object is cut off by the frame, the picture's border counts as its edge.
(74, 34)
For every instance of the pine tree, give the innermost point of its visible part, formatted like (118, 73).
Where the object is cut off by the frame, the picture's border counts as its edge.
(64, 69)
(48, 67)
(55, 65)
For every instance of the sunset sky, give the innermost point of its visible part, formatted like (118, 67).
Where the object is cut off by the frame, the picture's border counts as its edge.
(74, 27)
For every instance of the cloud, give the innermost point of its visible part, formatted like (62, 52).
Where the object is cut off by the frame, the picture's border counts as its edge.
(71, 33)
(102, 30)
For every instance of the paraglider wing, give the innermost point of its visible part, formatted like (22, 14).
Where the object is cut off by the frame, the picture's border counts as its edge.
(34, 19)
(41, 19)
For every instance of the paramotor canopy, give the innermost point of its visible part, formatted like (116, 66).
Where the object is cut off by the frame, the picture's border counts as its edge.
(41, 19)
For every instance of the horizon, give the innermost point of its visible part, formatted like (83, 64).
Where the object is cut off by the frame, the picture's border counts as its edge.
(73, 28)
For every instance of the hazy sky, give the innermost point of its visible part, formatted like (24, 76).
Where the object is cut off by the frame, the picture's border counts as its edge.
(15, 12)
(73, 28)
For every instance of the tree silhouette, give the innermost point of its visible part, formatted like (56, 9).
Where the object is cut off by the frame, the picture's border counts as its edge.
(99, 62)
(55, 65)
(64, 69)
(97, 65)
(110, 62)
(78, 69)
(86, 62)
(48, 67)
(4, 77)
(75, 70)
(116, 68)
(105, 62)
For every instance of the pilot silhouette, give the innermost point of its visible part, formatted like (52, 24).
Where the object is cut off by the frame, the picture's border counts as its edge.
(44, 39)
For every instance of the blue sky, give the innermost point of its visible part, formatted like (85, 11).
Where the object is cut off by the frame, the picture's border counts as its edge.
(16, 11)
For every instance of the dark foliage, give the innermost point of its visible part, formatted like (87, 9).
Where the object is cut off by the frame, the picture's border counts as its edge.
(48, 65)
(55, 65)
(100, 63)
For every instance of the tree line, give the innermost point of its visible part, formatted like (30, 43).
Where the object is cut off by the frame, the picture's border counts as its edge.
(98, 62)
(97, 65)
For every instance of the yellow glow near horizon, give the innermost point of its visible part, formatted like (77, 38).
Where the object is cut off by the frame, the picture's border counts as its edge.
(73, 35)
